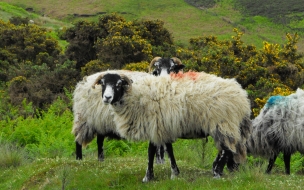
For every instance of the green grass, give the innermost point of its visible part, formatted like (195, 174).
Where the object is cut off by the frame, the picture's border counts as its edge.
(9, 10)
(47, 161)
(181, 19)
(126, 172)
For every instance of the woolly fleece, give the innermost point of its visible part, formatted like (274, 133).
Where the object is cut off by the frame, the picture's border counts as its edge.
(162, 109)
(91, 116)
(279, 127)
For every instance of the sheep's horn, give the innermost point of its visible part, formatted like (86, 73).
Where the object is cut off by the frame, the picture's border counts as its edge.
(97, 80)
(152, 62)
(176, 60)
(128, 80)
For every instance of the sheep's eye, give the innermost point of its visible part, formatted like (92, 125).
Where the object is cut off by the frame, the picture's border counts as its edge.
(102, 82)
(118, 84)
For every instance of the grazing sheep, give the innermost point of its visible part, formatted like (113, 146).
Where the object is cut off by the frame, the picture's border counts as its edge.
(190, 105)
(87, 125)
(279, 128)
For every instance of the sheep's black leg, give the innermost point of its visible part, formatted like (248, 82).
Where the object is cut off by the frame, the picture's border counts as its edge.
(218, 164)
(151, 153)
(160, 155)
(271, 163)
(100, 139)
(231, 165)
(287, 157)
(174, 168)
(78, 151)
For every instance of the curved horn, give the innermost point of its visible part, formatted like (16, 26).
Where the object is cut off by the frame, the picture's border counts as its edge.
(129, 82)
(97, 80)
(152, 62)
(176, 60)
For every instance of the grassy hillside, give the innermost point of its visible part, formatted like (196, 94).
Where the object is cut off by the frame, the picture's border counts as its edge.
(182, 19)
(126, 172)
(47, 160)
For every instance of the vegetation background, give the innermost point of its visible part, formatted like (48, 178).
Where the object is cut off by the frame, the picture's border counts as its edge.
(47, 46)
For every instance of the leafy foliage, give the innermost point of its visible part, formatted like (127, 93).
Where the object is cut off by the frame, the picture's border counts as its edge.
(19, 20)
(114, 41)
(32, 65)
(82, 37)
(94, 66)
(44, 135)
(142, 66)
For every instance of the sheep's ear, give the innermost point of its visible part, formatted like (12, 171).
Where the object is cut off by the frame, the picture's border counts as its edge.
(126, 82)
(179, 67)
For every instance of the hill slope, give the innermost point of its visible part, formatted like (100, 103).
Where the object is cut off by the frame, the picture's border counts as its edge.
(182, 19)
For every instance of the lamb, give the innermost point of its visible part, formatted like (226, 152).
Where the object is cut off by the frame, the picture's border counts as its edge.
(279, 128)
(190, 105)
(88, 123)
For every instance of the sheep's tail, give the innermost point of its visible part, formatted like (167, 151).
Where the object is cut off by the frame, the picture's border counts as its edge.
(235, 144)
(83, 133)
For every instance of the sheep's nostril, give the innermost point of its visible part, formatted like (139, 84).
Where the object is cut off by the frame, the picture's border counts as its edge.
(108, 97)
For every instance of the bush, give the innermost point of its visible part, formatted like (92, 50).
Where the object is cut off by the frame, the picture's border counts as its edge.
(142, 66)
(39, 84)
(47, 134)
(19, 20)
(94, 67)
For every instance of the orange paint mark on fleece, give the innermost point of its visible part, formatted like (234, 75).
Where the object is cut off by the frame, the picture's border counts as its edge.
(190, 74)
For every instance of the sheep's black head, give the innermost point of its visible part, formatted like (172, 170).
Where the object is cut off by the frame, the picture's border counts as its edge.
(164, 66)
(113, 87)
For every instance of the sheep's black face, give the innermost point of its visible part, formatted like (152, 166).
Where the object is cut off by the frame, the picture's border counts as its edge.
(165, 66)
(112, 88)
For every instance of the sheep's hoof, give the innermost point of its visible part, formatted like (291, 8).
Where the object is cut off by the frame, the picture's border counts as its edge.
(174, 173)
(101, 158)
(148, 177)
(216, 176)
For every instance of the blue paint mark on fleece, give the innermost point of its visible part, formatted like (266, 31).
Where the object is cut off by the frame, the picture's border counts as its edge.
(273, 100)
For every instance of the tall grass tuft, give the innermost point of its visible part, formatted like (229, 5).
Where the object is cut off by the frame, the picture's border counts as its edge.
(11, 155)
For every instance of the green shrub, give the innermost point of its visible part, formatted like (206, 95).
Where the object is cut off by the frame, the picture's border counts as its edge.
(47, 134)
(94, 66)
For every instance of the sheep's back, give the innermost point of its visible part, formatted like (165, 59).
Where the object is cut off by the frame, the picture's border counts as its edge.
(165, 108)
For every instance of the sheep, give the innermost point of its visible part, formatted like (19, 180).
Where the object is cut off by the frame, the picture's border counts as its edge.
(164, 66)
(279, 128)
(85, 129)
(189, 105)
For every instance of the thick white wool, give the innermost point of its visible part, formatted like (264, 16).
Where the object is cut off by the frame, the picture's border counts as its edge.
(162, 109)
(279, 127)
(91, 116)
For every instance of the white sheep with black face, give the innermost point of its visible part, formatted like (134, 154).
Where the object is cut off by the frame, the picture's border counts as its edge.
(192, 105)
(92, 119)
(279, 128)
